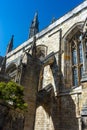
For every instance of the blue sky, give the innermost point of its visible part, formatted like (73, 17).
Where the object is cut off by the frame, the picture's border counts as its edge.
(16, 17)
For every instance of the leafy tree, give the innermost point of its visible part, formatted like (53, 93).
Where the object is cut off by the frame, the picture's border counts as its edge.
(12, 94)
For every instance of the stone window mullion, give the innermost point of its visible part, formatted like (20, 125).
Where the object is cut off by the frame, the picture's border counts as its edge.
(78, 61)
(71, 63)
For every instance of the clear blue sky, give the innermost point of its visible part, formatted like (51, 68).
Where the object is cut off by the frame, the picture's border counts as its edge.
(16, 17)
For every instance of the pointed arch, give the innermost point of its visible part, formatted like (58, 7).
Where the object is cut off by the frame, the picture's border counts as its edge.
(73, 53)
(75, 28)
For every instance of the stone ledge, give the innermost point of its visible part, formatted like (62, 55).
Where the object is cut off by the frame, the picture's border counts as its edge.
(77, 90)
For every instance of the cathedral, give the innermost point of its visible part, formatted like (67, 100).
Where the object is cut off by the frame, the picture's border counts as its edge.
(52, 67)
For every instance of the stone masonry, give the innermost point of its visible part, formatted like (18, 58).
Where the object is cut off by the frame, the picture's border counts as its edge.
(44, 66)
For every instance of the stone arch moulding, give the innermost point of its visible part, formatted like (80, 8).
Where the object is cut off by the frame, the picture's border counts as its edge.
(73, 30)
(11, 70)
(76, 28)
(12, 65)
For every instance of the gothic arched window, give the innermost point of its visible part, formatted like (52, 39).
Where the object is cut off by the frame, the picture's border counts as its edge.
(77, 59)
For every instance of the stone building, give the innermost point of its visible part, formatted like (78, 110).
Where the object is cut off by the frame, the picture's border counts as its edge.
(52, 67)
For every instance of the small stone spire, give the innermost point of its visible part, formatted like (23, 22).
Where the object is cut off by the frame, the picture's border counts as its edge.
(34, 28)
(10, 45)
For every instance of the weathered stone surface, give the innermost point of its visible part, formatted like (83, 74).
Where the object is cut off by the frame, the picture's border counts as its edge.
(30, 81)
(61, 108)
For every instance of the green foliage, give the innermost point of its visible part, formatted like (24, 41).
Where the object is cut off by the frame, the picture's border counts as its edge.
(12, 93)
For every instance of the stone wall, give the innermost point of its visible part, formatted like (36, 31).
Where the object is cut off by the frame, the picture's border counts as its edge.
(47, 114)
(69, 116)
(50, 37)
(30, 80)
(60, 113)
(63, 110)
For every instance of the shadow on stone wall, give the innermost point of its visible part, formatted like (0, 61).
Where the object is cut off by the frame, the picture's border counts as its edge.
(67, 113)
(55, 72)
(62, 111)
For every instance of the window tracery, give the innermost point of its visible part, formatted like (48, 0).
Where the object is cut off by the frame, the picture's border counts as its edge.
(77, 59)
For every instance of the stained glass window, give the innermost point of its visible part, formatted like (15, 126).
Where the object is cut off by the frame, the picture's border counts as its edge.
(75, 77)
(74, 57)
(81, 71)
(80, 53)
(77, 59)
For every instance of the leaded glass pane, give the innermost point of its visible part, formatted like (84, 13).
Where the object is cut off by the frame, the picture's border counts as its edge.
(80, 53)
(74, 57)
(75, 77)
(77, 58)
(80, 37)
(81, 71)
